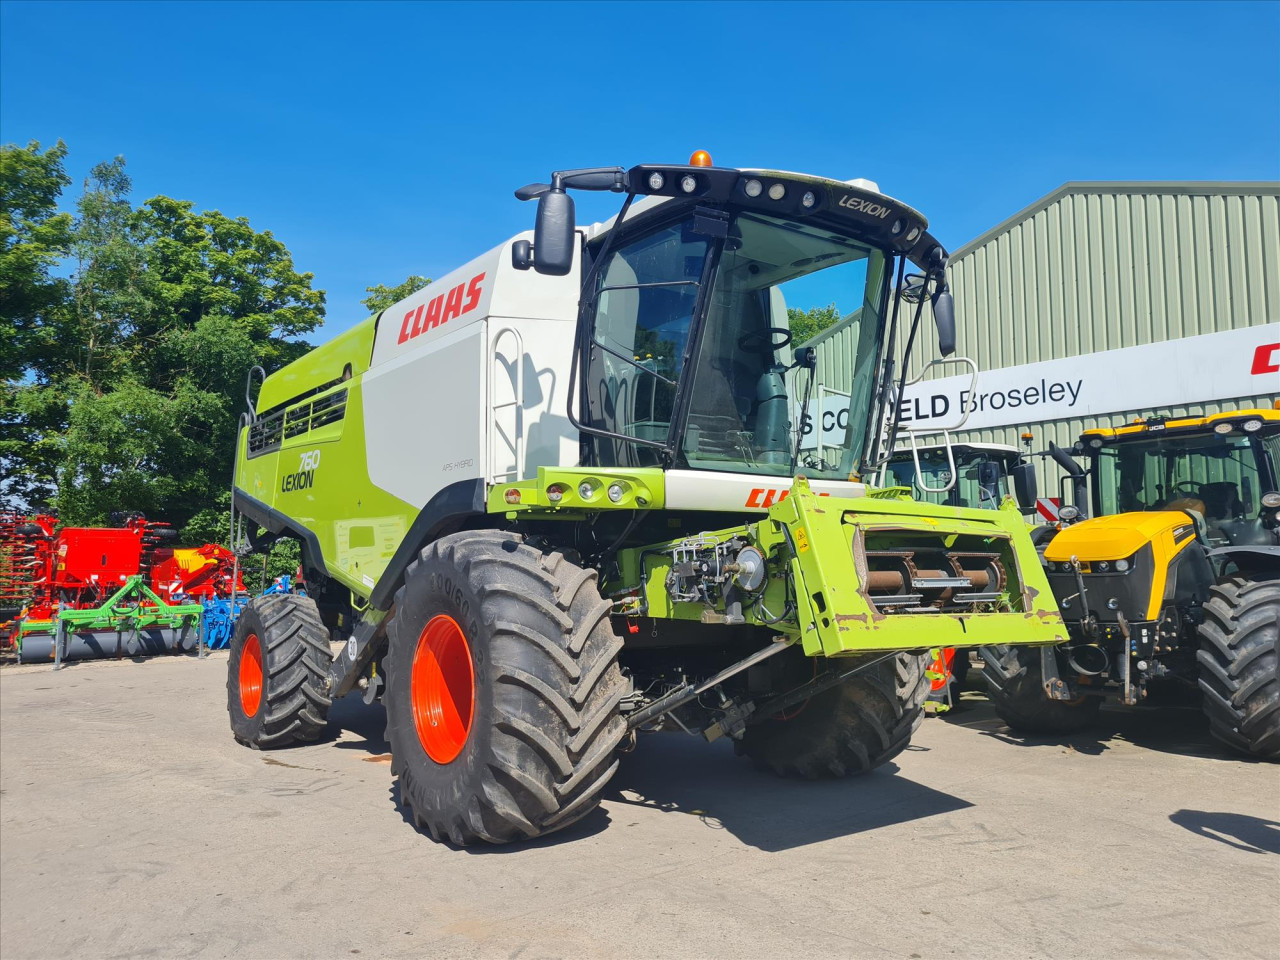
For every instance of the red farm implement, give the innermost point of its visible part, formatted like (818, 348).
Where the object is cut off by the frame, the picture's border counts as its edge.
(86, 592)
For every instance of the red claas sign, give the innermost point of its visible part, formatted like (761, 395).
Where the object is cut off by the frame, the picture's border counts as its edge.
(461, 299)
(1266, 359)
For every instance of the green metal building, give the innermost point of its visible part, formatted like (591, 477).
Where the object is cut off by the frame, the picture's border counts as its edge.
(1103, 302)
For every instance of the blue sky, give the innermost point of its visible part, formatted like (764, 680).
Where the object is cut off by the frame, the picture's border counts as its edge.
(382, 140)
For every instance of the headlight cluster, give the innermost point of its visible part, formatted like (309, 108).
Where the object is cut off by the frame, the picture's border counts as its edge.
(688, 183)
(1252, 425)
(1123, 565)
(591, 490)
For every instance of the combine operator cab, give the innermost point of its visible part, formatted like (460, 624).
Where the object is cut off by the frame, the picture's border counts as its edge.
(1177, 576)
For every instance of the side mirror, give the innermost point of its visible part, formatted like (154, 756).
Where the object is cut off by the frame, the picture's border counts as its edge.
(1024, 486)
(988, 480)
(553, 234)
(944, 317)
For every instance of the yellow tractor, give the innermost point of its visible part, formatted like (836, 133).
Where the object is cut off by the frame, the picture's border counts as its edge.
(1176, 576)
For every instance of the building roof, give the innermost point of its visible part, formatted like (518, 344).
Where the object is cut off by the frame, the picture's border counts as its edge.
(1194, 188)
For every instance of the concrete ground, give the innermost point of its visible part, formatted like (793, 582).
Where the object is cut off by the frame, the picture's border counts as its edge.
(131, 824)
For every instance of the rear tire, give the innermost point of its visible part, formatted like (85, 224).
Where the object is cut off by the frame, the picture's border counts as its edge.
(278, 673)
(850, 729)
(1239, 666)
(1021, 702)
(540, 693)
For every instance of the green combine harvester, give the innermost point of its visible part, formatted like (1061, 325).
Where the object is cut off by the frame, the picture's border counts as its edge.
(586, 486)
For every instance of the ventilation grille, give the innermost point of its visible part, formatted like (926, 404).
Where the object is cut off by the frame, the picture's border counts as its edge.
(267, 433)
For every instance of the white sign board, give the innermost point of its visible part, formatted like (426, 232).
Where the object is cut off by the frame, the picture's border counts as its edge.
(1214, 366)
(830, 411)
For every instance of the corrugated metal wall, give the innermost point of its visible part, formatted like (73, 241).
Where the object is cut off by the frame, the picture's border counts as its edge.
(1100, 266)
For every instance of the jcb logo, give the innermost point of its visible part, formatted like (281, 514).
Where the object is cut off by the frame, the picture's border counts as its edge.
(764, 497)
(442, 309)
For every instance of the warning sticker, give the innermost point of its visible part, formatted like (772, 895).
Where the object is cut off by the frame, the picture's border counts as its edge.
(802, 541)
(1047, 507)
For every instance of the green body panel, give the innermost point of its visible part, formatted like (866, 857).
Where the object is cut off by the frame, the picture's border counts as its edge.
(325, 364)
(840, 618)
(358, 525)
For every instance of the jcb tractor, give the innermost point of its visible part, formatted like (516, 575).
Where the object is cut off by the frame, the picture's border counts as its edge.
(1176, 576)
(585, 486)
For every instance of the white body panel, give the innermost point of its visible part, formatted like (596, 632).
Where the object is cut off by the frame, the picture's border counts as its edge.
(424, 416)
(439, 397)
(716, 490)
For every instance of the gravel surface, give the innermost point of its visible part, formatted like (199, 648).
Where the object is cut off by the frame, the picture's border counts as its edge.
(132, 825)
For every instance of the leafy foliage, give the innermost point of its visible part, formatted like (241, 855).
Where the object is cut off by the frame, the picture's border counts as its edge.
(128, 374)
(381, 296)
(34, 237)
(807, 324)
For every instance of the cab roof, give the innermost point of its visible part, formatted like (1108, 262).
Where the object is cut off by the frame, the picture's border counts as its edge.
(1269, 418)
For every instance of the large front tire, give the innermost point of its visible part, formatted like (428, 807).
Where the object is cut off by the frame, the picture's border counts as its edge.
(1240, 666)
(852, 728)
(1020, 699)
(278, 673)
(503, 689)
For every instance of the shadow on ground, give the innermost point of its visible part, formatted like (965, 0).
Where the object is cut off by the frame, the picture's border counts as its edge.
(1239, 830)
(366, 721)
(680, 775)
(1171, 723)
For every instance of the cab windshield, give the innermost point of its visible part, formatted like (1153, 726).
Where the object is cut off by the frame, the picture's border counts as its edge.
(753, 408)
(1213, 475)
(973, 487)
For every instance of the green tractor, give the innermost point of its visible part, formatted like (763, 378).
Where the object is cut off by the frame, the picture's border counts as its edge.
(585, 486)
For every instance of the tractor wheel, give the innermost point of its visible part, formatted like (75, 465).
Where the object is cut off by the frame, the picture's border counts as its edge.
(1020, 700)
(1239, 665)
(503, 689)
(852, 728)
(278, 673)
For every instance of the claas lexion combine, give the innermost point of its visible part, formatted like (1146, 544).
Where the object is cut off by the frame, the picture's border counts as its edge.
(1175, 577)
(586, 485)
(78, 593)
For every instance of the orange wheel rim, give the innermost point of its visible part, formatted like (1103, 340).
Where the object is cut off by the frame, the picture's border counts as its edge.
(251, 676)
(442, 689)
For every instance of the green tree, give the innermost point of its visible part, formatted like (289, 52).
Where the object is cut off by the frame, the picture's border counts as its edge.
(111, 302)
(381, 296)
(129, 376)
(217, 298)
(34, 237)
(807, 324)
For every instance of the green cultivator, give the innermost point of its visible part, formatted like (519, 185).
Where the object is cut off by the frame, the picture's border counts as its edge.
(133, 622)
